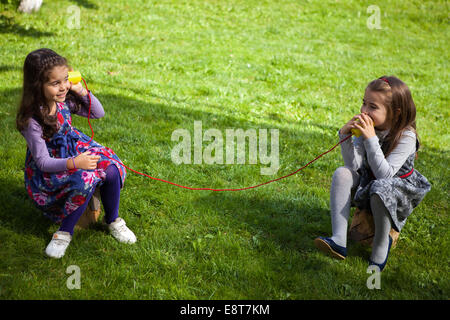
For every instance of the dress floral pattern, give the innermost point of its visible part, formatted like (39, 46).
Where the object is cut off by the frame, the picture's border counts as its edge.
(58, 194)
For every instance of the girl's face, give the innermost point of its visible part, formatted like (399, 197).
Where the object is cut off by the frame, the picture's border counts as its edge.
(57, 86)
(373, 106)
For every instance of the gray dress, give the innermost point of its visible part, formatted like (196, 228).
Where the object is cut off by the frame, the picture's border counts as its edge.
(400, 193)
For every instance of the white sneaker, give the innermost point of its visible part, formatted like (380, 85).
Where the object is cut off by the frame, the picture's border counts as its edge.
(120, 231)
(58, 245)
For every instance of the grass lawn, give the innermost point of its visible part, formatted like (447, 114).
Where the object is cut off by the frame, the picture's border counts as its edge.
(297, 66)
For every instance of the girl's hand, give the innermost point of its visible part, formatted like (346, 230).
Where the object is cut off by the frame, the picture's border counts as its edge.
(349, 126)
(78, 89)
(365, 125)
(86, 161)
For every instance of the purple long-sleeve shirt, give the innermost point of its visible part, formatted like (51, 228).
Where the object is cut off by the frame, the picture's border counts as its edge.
(33, 135)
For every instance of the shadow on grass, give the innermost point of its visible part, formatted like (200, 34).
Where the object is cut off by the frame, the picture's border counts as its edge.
(8, 25)
(291, 222)
(6, 68)
(281, 220)
(18, 212)
(85, 4)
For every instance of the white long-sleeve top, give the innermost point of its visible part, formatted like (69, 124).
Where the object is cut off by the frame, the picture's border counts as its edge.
(354, 149)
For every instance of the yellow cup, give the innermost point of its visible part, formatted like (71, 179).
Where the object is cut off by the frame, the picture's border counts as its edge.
(74, 76)
(356, 132)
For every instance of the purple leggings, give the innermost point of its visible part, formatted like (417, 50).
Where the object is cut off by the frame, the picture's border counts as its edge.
(110, 195)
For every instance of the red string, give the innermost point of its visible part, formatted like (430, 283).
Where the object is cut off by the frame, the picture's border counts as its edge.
(208, 189)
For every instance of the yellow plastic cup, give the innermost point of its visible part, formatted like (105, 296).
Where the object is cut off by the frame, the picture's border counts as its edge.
(356, 132)
(74, 76)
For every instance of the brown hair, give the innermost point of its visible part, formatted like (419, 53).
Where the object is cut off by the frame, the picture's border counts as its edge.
(38, 65)
(401, 110)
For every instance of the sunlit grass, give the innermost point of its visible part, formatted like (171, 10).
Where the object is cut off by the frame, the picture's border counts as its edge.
(158, 66)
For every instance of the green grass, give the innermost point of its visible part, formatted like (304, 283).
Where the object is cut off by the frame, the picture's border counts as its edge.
(156, 66)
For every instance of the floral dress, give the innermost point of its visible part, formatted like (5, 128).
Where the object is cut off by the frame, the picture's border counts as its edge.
(59, 194)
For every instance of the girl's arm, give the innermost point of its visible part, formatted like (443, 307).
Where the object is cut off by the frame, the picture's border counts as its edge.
(39, 151)
(97, 110)
(352, 151)
(384, 168)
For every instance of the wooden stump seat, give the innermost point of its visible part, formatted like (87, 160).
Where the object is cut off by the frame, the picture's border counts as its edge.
(362, 229)
(92, 212)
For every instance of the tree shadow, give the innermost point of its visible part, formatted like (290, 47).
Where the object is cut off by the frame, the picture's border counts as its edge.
(18, 212)
(159, 115)
(6, 68)
(291, 223)
(8, 25)
(86, 4)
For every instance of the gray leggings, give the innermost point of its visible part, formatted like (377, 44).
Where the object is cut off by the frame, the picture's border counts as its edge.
(345, 180)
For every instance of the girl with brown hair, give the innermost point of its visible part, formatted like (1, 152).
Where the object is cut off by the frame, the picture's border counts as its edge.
(61, 174)
(379, 172)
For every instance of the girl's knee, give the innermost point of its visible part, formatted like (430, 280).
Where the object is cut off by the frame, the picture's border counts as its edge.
(377, 205)
(112, 173)
(375, 199)
(344, 173)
